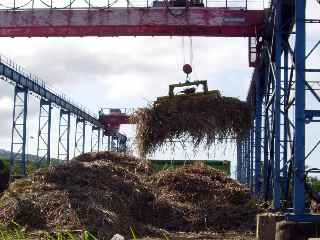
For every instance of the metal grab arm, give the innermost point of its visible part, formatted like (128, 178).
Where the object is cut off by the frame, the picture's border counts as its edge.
(186, 84)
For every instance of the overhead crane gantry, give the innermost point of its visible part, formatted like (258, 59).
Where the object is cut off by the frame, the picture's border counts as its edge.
(72, 21)
(275, 144)
(119, 21)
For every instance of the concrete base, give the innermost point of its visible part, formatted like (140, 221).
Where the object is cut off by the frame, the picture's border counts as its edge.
(297, 230)
(266, 225)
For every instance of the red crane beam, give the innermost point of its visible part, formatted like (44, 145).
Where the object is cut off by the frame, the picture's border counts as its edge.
(209, 22)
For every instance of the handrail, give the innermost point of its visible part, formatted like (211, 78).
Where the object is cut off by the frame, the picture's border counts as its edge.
(96, 4)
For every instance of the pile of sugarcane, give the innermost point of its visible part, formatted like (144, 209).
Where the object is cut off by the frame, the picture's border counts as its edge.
(108, 193)
(202, 120)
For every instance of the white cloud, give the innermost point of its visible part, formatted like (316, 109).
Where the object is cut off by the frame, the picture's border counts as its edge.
(5, 104)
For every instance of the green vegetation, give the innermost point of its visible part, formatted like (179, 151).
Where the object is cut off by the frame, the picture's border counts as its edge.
(159, 165)
(315, 183)
(19, 233)
(31, 166)
(4, 173)
(5, 166)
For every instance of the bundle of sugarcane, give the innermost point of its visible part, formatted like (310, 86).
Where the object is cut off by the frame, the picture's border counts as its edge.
(200, 119)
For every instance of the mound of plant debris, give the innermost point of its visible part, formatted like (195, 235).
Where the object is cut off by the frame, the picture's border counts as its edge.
(109, 193)
(203, 120)
(206, 199)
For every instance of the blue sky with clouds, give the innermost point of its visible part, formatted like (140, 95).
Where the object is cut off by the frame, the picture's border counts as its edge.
(132, 72)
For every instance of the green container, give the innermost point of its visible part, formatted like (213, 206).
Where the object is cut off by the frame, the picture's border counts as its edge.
(158, 165)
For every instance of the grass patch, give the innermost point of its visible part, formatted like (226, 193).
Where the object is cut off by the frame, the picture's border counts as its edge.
(18, 232)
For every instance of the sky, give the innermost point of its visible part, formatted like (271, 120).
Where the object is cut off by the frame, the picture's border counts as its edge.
(133, 72)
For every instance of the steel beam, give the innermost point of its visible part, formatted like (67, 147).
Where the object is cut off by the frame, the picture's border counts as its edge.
(19, 133)
(311, 114)
(117, 21)
(64, 135)
(303, 217)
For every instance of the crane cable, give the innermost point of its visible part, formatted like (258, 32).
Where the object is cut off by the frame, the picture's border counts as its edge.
(191, 51)
(188, 49)
(190, 57)
(183, 51)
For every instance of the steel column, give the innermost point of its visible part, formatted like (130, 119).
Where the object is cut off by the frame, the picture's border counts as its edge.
(239, 164)
(299, 148)
(252, 157)
(258, 126)
(79, 139)
(43, 146)
(248, 159)
(83, 136)
(95, 139)
(267, 133)
(243, 161)
(109, 143)
(238, 170)
(19, 133)
(277, 113)
(285, 121)
(242, 167)
(64, 135)
(104, 142)
(99, 139)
